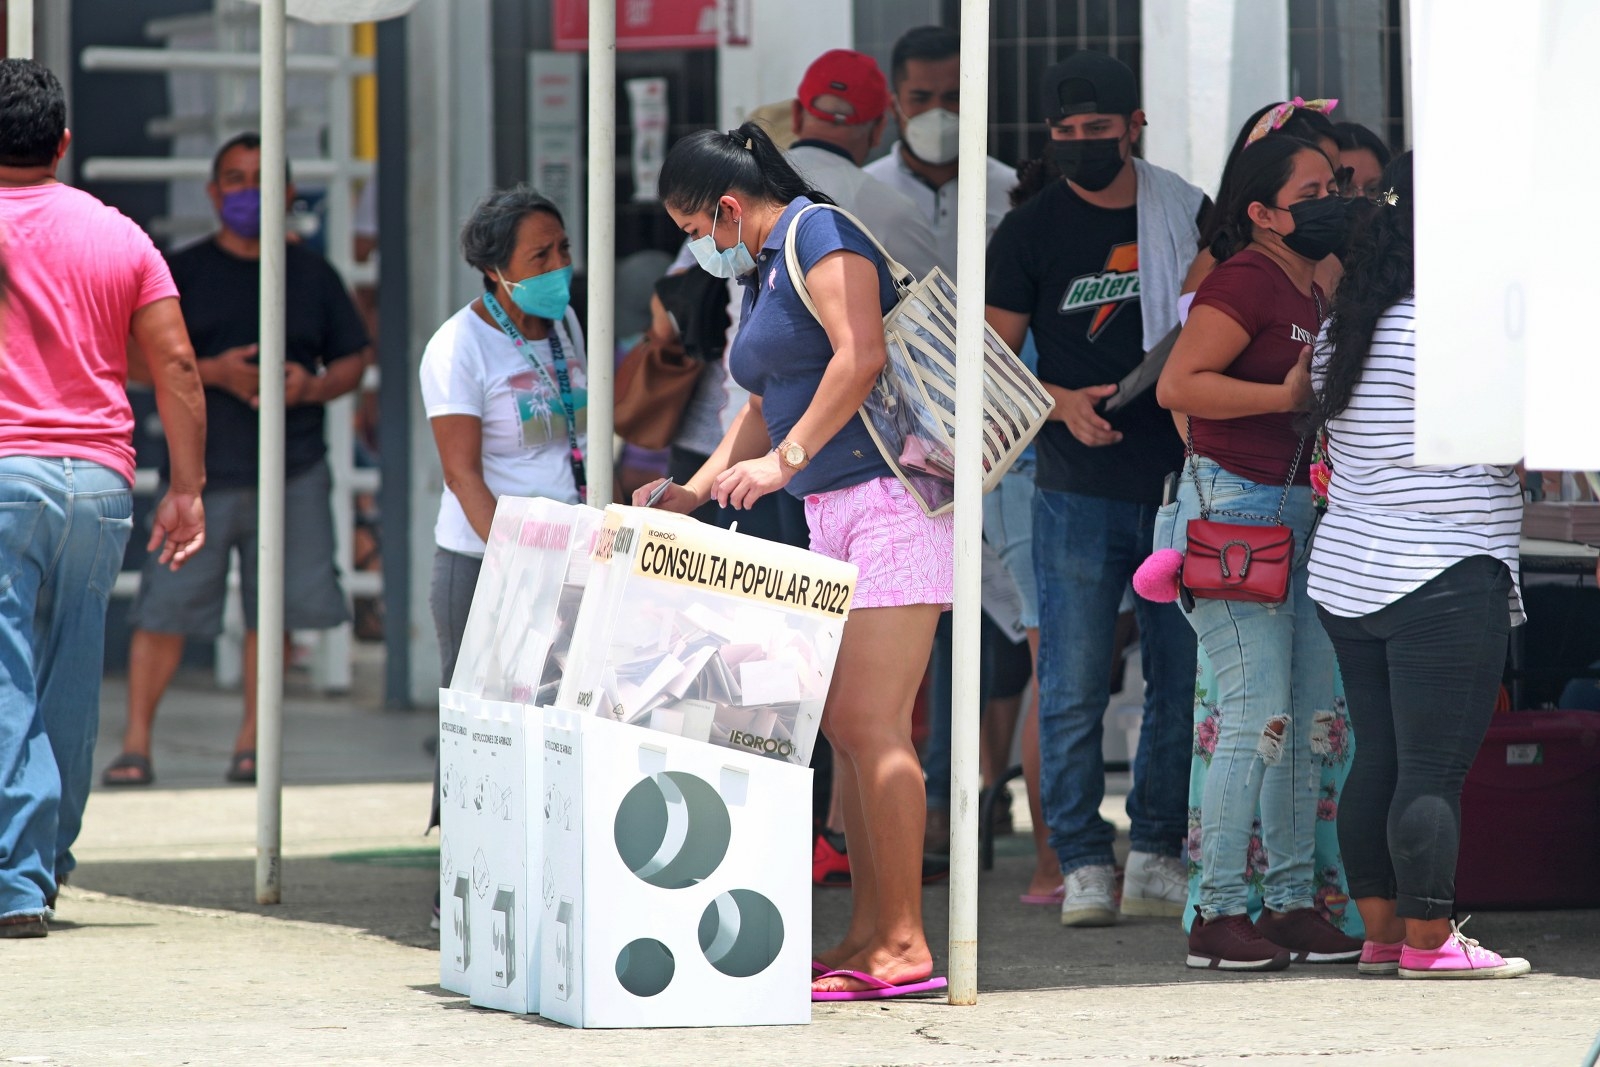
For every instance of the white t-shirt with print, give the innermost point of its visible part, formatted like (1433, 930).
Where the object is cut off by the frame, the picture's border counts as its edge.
(471, 368)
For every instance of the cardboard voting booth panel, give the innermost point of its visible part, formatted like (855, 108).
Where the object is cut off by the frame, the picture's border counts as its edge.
(457, 844)
(676, 886)
(707, 634)
(535, 567)
(490, 852)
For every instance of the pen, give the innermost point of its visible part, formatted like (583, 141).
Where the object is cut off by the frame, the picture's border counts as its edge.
(657, 493)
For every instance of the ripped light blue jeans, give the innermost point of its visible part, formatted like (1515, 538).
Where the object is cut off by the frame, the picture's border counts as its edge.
(1274, 667)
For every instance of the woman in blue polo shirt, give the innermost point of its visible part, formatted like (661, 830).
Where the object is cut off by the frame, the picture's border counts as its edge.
(731, 193)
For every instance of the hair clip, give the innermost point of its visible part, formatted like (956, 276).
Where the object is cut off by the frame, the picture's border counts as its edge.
(1389, 197)
(749, 144)
(1277, 116)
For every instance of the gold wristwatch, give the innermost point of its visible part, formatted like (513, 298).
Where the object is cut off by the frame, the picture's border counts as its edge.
(792, 454)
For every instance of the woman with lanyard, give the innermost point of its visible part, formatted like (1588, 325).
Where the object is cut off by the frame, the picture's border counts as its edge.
(737, 198)
(1240, 372)
(504, 387)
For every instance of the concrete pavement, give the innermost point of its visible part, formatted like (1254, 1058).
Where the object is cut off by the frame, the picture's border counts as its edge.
(161, 957)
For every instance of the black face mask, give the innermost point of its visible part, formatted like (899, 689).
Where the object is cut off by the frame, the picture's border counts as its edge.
(1089, 164)
(1321, 227)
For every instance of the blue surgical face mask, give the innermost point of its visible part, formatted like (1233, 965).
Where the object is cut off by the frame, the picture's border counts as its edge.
(722, 262)
(543, 296)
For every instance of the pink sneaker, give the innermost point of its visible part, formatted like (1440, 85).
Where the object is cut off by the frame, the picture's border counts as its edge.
(1459, 957)
(1380, 957)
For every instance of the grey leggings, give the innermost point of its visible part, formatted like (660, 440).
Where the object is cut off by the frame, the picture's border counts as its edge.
(1420, 677)
(455, 579)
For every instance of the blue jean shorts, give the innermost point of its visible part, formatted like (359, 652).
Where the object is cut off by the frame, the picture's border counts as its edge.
(1008, 527)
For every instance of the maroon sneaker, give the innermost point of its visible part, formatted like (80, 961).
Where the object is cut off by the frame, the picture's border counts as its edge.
(1231, 943)
(1308, 936)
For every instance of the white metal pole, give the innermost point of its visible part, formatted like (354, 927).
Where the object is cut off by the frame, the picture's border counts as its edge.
(971, 232)
(601, 242)
(19, 29)
(269, 568)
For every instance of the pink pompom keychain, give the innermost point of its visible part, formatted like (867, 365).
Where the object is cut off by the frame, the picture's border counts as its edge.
(1157, 577)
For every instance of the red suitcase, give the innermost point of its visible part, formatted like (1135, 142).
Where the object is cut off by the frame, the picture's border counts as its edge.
(1530, 814)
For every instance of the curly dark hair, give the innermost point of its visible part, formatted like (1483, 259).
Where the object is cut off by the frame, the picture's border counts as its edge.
(1378, 272)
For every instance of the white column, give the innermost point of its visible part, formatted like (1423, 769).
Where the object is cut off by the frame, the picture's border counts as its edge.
(1207, 64)
(269, 567)
(783, 40)
(451, 152)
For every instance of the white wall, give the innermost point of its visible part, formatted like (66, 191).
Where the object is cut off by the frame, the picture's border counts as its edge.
(784, 39)
(1207, 64)
(451, 161)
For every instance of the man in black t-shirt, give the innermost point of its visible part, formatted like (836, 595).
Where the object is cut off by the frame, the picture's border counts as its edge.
(326, 353)
(1092, 266)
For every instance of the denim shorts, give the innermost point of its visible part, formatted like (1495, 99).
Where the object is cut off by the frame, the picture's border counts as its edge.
(1008, 527)
(903, 555)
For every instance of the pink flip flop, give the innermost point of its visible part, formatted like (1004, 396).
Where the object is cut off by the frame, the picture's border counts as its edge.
(877, 989)
(819, 968)
(1052, 899)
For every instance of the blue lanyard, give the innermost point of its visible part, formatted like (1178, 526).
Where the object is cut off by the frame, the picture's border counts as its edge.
(563, 384)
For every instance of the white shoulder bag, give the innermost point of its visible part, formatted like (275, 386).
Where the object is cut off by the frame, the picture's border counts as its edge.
(911, 411)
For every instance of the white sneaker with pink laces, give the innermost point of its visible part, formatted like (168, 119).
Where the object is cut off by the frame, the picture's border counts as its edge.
(1459, 957)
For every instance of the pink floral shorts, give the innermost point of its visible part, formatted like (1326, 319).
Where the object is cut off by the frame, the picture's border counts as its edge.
(904, 556)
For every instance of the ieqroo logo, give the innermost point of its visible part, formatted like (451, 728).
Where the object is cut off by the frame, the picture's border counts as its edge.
(770, 745)
(1110, 290)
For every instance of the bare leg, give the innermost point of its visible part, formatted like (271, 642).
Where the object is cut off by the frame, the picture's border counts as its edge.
(998, 727)
(836, 799)
(1046, 876)
(153, 659)
(1378, 915)
(881, 662)
(863, 884)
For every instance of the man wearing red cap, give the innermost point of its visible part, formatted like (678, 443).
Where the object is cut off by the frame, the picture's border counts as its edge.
(840, 113)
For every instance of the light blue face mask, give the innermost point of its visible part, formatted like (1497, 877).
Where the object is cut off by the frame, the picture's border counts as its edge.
(722, 262)
(543, 296)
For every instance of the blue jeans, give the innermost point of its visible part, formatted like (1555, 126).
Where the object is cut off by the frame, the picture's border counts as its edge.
(1085, 550)
(1274, 666)
(63, 526)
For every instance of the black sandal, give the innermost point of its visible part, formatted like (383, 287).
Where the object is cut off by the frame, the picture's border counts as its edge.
(236, 770)
(129, 761)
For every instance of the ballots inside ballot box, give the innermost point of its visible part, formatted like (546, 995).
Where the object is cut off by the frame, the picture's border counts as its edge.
(708, 634)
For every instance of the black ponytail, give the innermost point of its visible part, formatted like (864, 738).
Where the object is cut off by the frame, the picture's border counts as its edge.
(706, 165)
(1379, 271)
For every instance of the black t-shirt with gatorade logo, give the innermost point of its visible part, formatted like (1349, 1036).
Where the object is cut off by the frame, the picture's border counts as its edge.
(1073, 268)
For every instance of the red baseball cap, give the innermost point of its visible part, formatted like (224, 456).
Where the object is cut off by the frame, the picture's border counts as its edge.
(853, 77)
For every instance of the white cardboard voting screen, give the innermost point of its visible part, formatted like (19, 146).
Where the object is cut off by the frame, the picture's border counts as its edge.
(676, 887)
(490, 851)
(708, 634)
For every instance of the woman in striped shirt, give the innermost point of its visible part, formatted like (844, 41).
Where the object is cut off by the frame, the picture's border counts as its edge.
(1414, 573)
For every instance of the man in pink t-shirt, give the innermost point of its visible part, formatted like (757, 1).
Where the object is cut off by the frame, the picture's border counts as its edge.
(82, 280)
